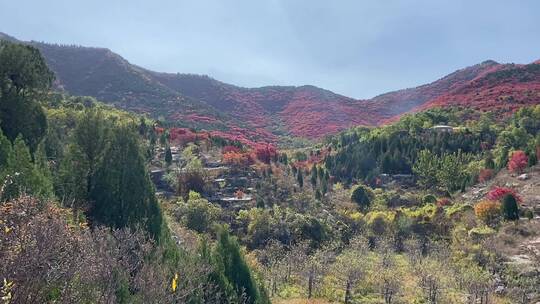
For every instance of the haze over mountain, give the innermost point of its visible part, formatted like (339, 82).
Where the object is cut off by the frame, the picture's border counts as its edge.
(262, 113)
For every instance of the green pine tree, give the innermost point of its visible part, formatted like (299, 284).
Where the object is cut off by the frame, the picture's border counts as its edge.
(90, 137)
(168, 156)
(510, 208)
(23, 174)
(5, 151)
(362, 196)
(234, 273)
(314, 175)
(44, 178)
(24, 80)
(71, 179)
(123, 195)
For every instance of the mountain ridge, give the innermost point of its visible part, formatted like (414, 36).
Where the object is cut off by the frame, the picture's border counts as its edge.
(265, 113)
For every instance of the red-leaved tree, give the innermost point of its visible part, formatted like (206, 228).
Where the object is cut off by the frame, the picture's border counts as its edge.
(265, 153)
(518, 161)
(485, 175)
(497, 193)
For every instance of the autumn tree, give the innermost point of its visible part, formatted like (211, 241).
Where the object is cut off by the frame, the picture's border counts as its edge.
(476, 281)
(388, 274)
(192, 177)
(488, 211)
(432, 272)
(314, 267)
(498, 193)
(518, 161)
(273, 261)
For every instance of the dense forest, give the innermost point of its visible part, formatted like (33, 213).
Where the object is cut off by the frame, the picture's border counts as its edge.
(99, 205)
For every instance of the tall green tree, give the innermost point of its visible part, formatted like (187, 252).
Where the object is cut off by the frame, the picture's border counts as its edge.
(123, 195)
(24, 175)
(234, 273)
(24, 81)
(90, 137)
(362, 196)
(510, 208)
(168, 156)
(5, 151)
(426, 168)
(71, 179)
(452, 173)
(314, 175)
(300, 178)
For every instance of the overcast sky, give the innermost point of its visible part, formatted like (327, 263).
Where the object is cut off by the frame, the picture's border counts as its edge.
(356, 48)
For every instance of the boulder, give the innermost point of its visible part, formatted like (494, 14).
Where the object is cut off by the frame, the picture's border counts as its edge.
(523, 176)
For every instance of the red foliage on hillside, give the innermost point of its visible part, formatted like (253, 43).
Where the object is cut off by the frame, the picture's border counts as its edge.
(485, 175)
(227, 149)
(265, 152)
(443, 202)
(183, 136)
(313, 112)
(497, 193)
(518, 161)
(305, 111)
(252, 115)
(396, 103)
(502, 89)
(238, 158)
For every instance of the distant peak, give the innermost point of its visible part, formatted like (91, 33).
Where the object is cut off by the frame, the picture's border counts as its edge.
(536, 62)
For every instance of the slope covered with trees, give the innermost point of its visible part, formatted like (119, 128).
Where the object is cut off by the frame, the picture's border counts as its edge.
(266, 112)
(79, 219)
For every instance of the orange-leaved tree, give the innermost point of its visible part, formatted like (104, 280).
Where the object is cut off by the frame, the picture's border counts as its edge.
(488, 211)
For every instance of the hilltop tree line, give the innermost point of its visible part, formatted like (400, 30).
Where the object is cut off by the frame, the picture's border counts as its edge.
(411, 146)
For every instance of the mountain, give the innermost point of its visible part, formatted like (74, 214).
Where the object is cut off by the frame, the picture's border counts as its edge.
(502, 89)
(395, 103)
(303, 111)
(266, 113)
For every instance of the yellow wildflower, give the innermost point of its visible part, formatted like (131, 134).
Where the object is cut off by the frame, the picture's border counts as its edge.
(174, 282)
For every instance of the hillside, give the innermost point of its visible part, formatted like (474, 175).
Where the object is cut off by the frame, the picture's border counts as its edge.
(384, 206)
(502, 89)
(266, 113)
(303, 111)
(398, 102)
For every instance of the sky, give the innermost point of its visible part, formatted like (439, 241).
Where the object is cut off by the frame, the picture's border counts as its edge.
(357, 48)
